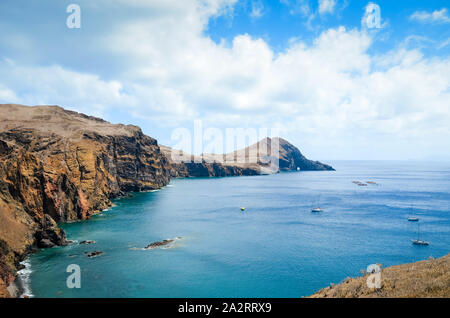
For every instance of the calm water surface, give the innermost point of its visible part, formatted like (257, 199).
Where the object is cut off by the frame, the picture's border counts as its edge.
(276, 248)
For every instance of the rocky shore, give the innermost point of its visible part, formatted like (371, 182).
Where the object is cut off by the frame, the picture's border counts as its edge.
(58, 165)
(430, 278)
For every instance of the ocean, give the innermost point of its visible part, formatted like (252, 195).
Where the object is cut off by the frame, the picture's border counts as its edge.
(275, 248)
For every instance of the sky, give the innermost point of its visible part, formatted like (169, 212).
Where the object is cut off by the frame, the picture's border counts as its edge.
(335, 81)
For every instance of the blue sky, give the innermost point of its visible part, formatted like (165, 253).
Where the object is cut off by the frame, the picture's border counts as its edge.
(312, 68)
(277, 23)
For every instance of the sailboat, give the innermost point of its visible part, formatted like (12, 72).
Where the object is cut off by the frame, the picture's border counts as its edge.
(413, 218)
(317, 209)
(419, 241)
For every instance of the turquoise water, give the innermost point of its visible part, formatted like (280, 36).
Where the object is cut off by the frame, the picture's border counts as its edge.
(276, 248)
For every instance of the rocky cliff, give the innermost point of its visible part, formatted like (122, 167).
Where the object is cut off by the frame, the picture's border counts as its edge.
(269, 155)
(58, 166)
(430, 278)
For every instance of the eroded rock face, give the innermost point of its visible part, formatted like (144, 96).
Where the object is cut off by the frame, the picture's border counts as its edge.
(203, 169)
(59, 166)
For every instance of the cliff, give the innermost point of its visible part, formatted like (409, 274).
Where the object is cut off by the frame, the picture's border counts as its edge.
(58, 166)
(269, 155)
(430, 278)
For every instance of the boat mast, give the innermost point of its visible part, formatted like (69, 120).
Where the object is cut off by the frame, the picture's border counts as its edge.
(418, 231)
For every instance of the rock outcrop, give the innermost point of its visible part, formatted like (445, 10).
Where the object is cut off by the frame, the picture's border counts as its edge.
(430, 278)
(270, 155)
(59, 166)
(290, 158)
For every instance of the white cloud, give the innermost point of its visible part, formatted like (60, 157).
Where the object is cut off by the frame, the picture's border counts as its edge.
(56, 85)
(333, 77)
(326, 6)
(445, 43)
(7, 95)
(298, 7)
(332, 92)
(437, 16)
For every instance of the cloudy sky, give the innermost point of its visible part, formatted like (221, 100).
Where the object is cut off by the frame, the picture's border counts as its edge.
(315, 69)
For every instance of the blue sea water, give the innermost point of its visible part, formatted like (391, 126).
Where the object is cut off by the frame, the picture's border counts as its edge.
(275, 248)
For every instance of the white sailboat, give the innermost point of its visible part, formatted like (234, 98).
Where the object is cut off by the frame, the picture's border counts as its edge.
(413, 218)
(419, 241)
(317, 209)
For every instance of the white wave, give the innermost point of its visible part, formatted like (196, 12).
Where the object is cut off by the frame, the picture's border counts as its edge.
(24, 279)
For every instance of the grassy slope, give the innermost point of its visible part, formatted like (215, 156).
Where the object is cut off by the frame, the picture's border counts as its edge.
(430, 278)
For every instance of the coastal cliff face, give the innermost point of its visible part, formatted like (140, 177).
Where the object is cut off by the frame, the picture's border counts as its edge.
(430, 278)
(256, 159)
(203, 169)
(189, 166)
(291, 158)
(60, 166)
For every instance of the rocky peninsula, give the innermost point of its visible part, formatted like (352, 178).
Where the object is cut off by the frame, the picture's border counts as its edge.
(58, 165)
(256, 159)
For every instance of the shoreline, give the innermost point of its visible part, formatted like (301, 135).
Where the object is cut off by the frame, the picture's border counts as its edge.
(21, 286)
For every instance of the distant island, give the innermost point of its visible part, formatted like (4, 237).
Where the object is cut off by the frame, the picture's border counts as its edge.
(58, 165)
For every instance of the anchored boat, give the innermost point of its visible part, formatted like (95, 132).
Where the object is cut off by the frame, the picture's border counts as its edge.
(419, 241)
(317, 209)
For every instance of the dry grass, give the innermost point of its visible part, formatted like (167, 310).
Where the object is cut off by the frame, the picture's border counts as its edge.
(58, 121)
(430, 278)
